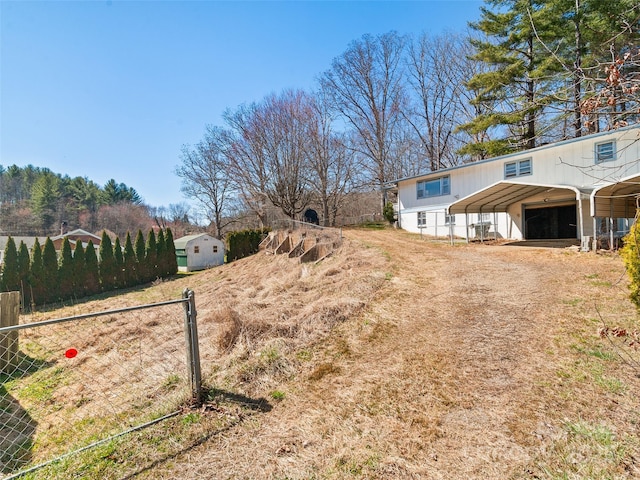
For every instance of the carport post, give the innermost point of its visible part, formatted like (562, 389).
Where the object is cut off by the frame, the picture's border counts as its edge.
(466, 224)
(580, 219)
(450, 231)
(495, 225)
(436, 223)
(611, 224)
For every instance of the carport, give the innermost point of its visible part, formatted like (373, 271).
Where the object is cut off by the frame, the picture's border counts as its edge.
(497, 198)
(615, 200)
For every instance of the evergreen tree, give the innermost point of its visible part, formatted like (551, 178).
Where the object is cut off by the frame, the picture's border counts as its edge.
(66, 271)
(24, 265)
(107, 264)
(129, 262)
(517, 83)
(172, 260)
(141, 270)
(36, 277)
(119, 263)
(151, 256)
(45, 194)
(592, 35)
(50, 271)
(79, 271)
(9, 277)
(92, 271)
(161, 249)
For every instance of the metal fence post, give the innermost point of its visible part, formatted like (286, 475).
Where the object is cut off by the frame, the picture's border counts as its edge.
(9, 314)
(193, 349)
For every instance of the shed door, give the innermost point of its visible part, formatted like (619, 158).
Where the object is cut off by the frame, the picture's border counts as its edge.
(550, 222)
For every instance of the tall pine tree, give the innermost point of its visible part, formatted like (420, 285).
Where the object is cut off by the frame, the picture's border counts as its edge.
(66, 271)
(107, 263)
(24, 266)
(50, 270)
(36, 277)
(79, 271)
(92, 271)
(141, 265)
(129, 262)
(9, 277)
(517, 82)
(172, 260)
(119, 263)
(161, 249)
(151, 256)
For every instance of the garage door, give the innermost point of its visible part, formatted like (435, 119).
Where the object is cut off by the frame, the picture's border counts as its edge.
(550, 222)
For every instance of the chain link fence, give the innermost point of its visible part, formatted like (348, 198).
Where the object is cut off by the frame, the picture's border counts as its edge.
(75, 382)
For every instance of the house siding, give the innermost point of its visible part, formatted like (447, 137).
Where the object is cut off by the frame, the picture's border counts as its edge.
(571, 163)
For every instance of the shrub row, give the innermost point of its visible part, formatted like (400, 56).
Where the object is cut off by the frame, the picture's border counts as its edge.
(244, 243)
(44, 277)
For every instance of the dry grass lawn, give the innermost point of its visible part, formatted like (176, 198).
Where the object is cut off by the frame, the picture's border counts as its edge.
(401, 358)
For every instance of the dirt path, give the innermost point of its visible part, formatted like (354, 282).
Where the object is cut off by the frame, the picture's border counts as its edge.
(451, 373)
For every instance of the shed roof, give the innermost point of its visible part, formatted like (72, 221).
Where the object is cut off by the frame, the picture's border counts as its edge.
(499, 196)
(181, 242)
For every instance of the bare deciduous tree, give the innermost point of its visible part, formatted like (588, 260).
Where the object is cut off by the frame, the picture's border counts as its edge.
(124, 217)
(205, 176)
(267, 152)
(330, 173)
(365, 85)
(437, 73)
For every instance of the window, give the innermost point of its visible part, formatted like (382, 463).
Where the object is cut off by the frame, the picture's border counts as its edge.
(215, 249)
(434, 188)
(605, 152)
(484, 217)
(517, 169)
(422, 219)
(196, 249)
(449, 219)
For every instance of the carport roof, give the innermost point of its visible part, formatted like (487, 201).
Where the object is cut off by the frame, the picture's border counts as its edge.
(498, 197)
(617, 200)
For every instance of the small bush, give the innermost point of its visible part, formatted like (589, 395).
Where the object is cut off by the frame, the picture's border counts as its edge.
(244, 243)
(388, 213)
(631, 256)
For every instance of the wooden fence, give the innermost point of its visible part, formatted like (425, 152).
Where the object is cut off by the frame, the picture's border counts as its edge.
(9, 312)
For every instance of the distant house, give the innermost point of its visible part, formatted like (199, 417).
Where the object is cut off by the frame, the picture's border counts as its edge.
(74, 237)
(197, 252)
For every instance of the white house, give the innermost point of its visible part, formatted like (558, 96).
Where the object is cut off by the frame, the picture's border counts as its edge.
(197, 252)
(580, 188)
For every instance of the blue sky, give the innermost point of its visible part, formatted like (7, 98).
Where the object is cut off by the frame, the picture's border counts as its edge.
(113, 89)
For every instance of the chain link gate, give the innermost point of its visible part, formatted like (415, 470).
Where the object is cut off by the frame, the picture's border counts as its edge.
(76, 382)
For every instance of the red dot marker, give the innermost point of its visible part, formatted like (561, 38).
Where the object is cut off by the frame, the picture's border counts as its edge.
(72, 352)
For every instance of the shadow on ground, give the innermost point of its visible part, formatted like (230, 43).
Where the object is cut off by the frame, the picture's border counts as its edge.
(17, 427)
(561, 243)
(213, 397)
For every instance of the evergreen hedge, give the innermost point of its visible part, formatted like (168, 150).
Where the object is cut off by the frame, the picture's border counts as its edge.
(43, 278)
(244, 243)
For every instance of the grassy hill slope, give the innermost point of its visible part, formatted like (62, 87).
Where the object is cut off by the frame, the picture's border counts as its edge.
(397, 358)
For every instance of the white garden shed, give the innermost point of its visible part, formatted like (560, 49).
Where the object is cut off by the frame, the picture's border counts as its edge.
(197, 252)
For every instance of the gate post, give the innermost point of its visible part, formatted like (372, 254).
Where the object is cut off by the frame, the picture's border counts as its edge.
(9, 313)
(193, 349)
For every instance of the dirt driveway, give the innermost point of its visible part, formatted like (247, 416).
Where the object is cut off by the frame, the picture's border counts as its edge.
(474, 361)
